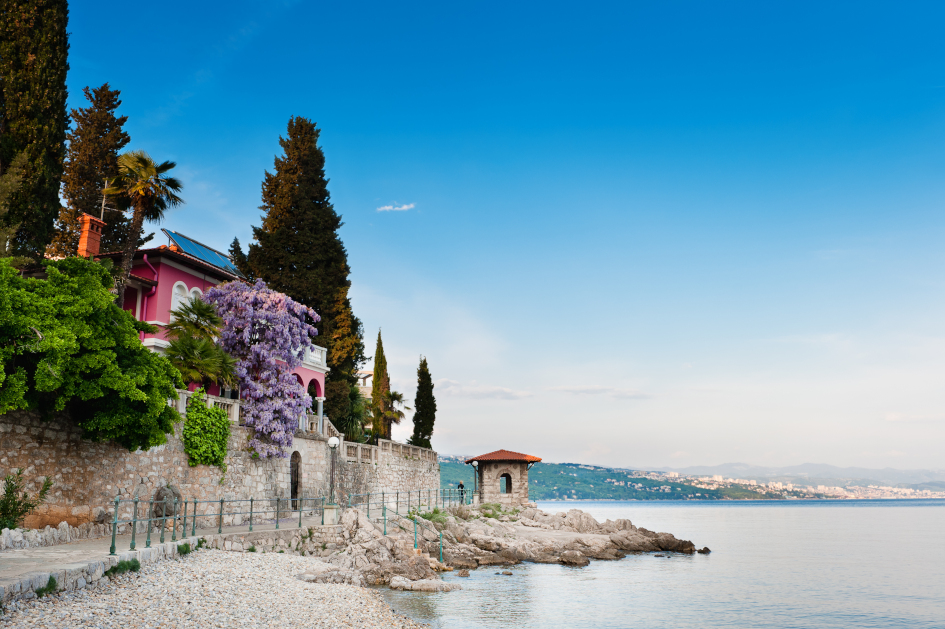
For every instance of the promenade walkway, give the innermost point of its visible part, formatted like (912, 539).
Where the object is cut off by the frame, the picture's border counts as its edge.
(19, 566)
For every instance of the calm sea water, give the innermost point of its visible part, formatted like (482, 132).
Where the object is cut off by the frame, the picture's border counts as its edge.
(795, 564)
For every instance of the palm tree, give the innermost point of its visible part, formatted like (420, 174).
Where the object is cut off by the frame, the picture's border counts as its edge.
(149, 191)
(390, 414)
(193, 349)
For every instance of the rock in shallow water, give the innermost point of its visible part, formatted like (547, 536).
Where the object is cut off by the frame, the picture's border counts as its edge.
(424, 585)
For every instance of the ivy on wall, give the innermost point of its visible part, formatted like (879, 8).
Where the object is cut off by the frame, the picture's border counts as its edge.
(206, 433)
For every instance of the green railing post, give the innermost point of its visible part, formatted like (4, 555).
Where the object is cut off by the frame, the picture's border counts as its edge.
(174, 520)
(193, 526)
(134, 523)
(323, 511)
(250, 515)
(183, 529)
(220, 523)
(385, 518)
(114, 526)
(415, 533)
(277, 512)
(369, 506)
(147, 543)
(300, 512)
(163, 518)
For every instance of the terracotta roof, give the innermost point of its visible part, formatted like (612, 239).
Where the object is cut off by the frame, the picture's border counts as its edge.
(505, 455)
(143, 280)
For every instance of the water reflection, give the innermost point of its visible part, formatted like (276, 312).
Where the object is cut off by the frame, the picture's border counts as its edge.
(773, 566)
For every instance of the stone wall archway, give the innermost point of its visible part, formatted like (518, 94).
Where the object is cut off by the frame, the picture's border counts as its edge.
(295, 478)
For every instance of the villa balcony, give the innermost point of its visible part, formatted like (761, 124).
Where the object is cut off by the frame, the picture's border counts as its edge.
(316, 358)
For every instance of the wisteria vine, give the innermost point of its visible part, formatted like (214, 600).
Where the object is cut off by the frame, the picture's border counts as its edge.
(267, 333)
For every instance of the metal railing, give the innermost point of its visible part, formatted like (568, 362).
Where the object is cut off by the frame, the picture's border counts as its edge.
(417, 520)
(173, 513)
(418, 499)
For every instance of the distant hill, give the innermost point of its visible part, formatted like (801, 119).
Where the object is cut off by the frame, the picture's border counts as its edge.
(811, 473)
(573, 481)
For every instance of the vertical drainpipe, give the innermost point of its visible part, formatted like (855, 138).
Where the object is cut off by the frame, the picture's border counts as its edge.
(144, 302)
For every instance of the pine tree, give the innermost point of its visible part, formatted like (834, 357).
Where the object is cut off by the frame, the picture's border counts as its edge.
(240, 262)
(91, 160)
(34, 47)
(425, 405)
(380, 389)
(298, 252)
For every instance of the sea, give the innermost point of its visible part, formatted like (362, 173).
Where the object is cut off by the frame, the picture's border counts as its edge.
(778, 564)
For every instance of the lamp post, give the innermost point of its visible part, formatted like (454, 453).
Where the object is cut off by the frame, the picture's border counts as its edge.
(333, 444)
(475, 465)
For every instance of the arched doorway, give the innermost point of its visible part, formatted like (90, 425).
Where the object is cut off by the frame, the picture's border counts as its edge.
(295, 472)
(505, 484)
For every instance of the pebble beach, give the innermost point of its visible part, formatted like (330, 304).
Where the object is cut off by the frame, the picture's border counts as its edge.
(210, 588)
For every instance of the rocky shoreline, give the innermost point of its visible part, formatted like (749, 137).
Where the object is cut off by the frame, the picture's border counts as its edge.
(473, 538)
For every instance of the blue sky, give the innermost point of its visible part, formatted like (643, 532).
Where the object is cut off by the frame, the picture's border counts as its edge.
(651, 234)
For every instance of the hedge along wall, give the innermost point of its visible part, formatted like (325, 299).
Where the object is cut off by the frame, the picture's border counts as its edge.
(87, 476)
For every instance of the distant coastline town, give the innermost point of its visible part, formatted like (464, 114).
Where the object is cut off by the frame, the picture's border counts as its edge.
(573, 481)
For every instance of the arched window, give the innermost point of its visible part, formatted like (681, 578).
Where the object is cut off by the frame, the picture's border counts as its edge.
(179, 297)
(196, 293)
(295, 471)
(505, 484)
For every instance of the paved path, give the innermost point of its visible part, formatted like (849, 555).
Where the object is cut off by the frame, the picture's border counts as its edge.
(17, 562)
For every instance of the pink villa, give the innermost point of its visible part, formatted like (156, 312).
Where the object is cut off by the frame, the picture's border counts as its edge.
(162, 278)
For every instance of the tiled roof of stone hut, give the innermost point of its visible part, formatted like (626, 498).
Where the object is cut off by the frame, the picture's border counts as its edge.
(505, 455)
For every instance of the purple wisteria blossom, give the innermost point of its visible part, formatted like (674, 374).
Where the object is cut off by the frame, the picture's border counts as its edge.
(267, 333)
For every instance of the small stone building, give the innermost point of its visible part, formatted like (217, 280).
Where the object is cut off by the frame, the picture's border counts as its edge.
(502, 477)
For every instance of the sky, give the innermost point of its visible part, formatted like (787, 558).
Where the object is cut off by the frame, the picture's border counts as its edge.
(627, 234)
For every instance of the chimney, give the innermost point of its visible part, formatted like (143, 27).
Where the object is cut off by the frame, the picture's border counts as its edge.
(91, 236)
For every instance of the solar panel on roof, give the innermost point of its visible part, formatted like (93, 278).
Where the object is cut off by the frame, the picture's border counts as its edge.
(202, 252)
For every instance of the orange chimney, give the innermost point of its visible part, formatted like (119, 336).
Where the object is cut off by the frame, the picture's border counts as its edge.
(91, 236)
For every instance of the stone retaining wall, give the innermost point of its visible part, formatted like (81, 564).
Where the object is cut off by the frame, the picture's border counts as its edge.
(87, 476)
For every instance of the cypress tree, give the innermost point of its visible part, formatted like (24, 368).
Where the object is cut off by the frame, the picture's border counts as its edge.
(425, 405)
(298, 252)
(34, 48)
(91, 159)
(380, 387)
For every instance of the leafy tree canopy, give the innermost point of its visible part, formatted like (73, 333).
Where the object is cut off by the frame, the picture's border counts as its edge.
(66, 346)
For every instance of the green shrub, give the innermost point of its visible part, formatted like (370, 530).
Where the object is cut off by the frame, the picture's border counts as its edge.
(50, 588)
(66, 346)
(15, 503)
(251, 549)
(436, 516)
(183, 549)
(201, 543)
(124, 566)
(206, 433)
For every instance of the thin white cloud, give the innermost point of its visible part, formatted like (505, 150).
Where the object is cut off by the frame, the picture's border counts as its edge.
(397, 208)
(594, 389)
(451, 387)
